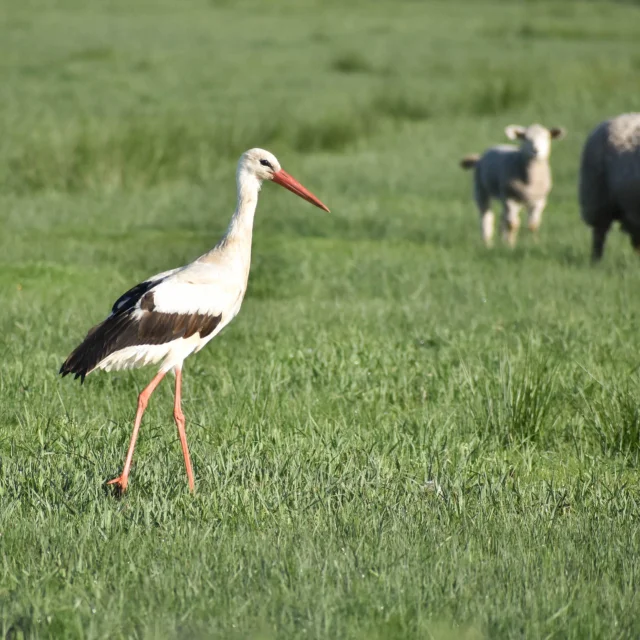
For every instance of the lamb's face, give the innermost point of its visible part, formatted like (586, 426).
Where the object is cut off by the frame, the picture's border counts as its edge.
(535, 140)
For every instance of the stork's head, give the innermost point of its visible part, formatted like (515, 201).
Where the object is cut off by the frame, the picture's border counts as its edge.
(260, 165)
(535, 140)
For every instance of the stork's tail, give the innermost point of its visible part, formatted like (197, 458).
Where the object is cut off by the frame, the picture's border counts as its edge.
(100, 342)
(470, 161)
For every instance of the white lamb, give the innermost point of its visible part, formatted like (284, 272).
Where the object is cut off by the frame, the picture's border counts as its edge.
(610, 180)
(516, 176)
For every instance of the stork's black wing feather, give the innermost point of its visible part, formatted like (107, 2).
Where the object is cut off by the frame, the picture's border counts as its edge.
(129, 299)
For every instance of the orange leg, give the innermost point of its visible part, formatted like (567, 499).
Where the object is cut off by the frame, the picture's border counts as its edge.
(143, 399)
(180, 422)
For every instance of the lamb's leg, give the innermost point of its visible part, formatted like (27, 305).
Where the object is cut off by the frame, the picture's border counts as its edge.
(483, 201)
(510, 221)
(534, 216)
(486, 225)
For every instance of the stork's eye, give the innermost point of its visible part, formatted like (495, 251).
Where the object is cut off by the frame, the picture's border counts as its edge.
(266, 163)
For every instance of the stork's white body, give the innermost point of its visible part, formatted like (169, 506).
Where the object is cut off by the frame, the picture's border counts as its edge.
(214, 285)
(180, 298)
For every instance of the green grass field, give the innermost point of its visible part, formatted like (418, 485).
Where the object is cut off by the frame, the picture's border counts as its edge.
(402, 435)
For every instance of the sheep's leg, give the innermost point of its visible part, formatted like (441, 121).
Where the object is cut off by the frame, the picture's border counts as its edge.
(633, 229)
(534, 216)
(486, 226)
(599, 236)
(510, 221)
(486, 216)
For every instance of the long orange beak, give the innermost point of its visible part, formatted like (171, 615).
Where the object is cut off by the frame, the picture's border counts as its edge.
(288, 182)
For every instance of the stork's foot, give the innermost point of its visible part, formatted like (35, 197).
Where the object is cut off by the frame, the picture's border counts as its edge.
(119, 484)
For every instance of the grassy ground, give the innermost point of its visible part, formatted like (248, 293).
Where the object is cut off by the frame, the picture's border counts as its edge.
(402, 435)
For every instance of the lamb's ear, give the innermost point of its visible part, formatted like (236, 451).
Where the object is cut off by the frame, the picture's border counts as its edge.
(514, 131)
(557, 133)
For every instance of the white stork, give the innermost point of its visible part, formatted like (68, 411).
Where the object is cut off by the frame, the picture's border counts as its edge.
(174, 314)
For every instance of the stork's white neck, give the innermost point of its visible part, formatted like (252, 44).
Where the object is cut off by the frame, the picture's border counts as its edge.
(241, 225)
(239, 233)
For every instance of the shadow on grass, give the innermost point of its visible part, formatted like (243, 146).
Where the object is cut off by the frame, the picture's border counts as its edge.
(351, 62)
